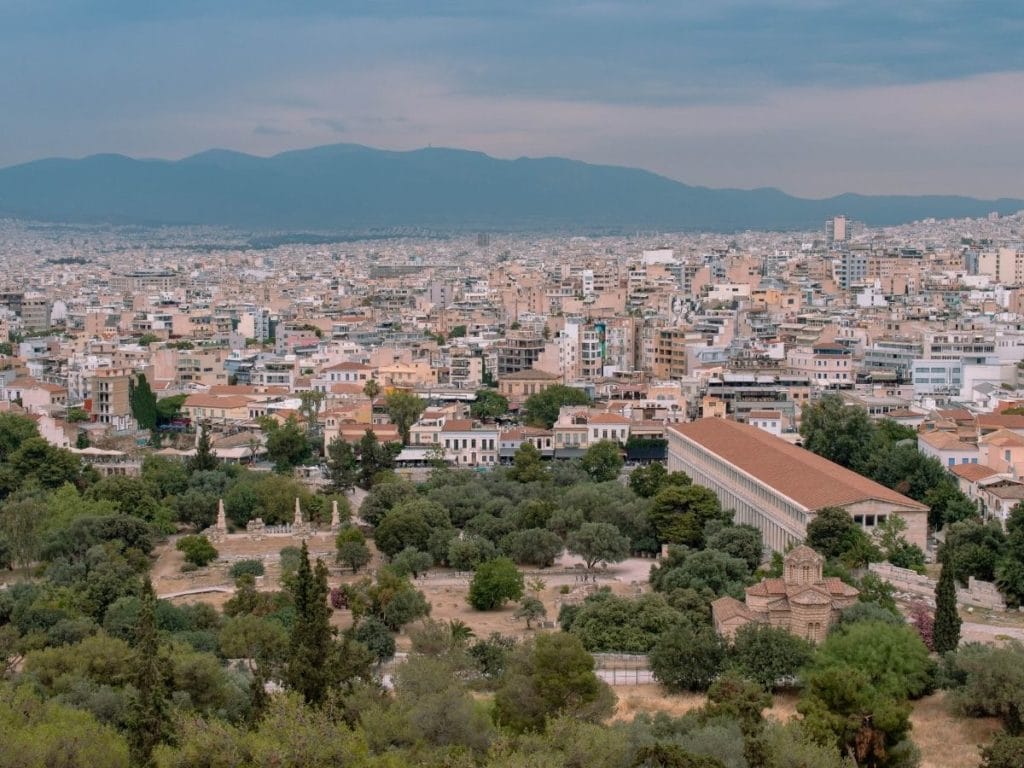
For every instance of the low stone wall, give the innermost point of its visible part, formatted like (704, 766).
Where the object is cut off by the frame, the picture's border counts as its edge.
(979, 594)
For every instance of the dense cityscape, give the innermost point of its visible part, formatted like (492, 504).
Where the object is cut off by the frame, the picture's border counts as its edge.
(513, 485)
(511, 385)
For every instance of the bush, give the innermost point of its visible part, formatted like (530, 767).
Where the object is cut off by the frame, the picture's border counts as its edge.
(494, 583)
(253, 567)
(197, 550)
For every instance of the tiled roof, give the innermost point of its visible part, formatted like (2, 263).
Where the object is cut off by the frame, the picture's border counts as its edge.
(804, 477)
(215, 401)
(1000, 421)
(972, 472)
(945, 441)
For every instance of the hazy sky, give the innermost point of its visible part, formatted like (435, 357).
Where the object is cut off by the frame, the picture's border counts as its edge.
(811, 96)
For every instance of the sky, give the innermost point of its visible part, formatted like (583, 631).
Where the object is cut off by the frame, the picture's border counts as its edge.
(811, 96)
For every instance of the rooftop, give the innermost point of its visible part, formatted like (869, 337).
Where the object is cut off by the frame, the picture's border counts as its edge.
(804, 477)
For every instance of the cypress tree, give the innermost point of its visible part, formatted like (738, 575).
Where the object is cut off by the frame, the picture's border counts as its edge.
(142, 402)
(946, 634)
(204, 459)
(148, 716)
(311, 644)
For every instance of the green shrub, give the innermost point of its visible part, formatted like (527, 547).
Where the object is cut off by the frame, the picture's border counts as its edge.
(197, 550)
(252, 566)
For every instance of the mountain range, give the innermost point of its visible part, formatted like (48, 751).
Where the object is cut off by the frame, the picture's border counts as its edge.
(347, 187)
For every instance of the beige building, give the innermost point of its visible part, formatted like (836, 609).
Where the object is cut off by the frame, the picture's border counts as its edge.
(109, 403)
(803, 601)
(778, 487)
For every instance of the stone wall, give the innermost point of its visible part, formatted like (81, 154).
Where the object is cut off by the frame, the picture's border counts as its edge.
(979, 594)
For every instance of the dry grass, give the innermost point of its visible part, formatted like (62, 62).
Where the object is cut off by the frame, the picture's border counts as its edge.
(945, 740)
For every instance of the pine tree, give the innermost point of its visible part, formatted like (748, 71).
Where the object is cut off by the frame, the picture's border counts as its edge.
(204, 459)
(311, 644)
(148, 717)
(946, 632)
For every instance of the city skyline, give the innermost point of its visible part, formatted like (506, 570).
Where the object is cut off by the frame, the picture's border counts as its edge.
(813, 98)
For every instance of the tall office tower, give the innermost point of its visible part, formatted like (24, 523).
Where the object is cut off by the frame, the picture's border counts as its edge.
(837, 229)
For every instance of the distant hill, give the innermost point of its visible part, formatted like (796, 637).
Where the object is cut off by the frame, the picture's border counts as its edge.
(346, 187)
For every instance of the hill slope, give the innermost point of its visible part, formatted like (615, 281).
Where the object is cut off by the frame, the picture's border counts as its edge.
(350, 187)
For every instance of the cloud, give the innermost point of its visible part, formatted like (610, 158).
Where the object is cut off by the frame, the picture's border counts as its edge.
(268, 130)
(337, 126)
(814, 96)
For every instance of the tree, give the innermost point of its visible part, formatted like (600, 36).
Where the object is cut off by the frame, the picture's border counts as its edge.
(603, 461)
(351, 548)
(466, 552)
(374, 458)
(488, 405)
(607, 623)
(742, 541)
(533, 546)
(531, 609)
(148, 719)
(892, 657)
(1005, 751)
(541, 409)
(710, 569)
(204, 459)
(342, 466)
(596, 542)
(946, 630)
(988, 681)
(552, 676)
(973, 548)
(310, 402)
(310, 651)
(404, 408)
(833, 534)
(287, 444)
(1010, 570)
(409, 524)
(838, 432)
(687, 658)
(890, 539)
(377, 638)
(841, 709)
(197, 549)
(39, 732)
(14, 431)
(142, 402)
(371, 389)
(527, 464)
(261, 643)
(411, 562)
(770, 656)
(494, 583)
(646, 481)
(678, 514)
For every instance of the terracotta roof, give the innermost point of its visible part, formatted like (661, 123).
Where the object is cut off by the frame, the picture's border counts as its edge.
(767, 588)
(972, 472)
(725, 608)
(1003, 438)
(457, 425)
(764, 415)
(945, 441)
(347, 366)
(1000, 421)
(804, 477)
(607, 418)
